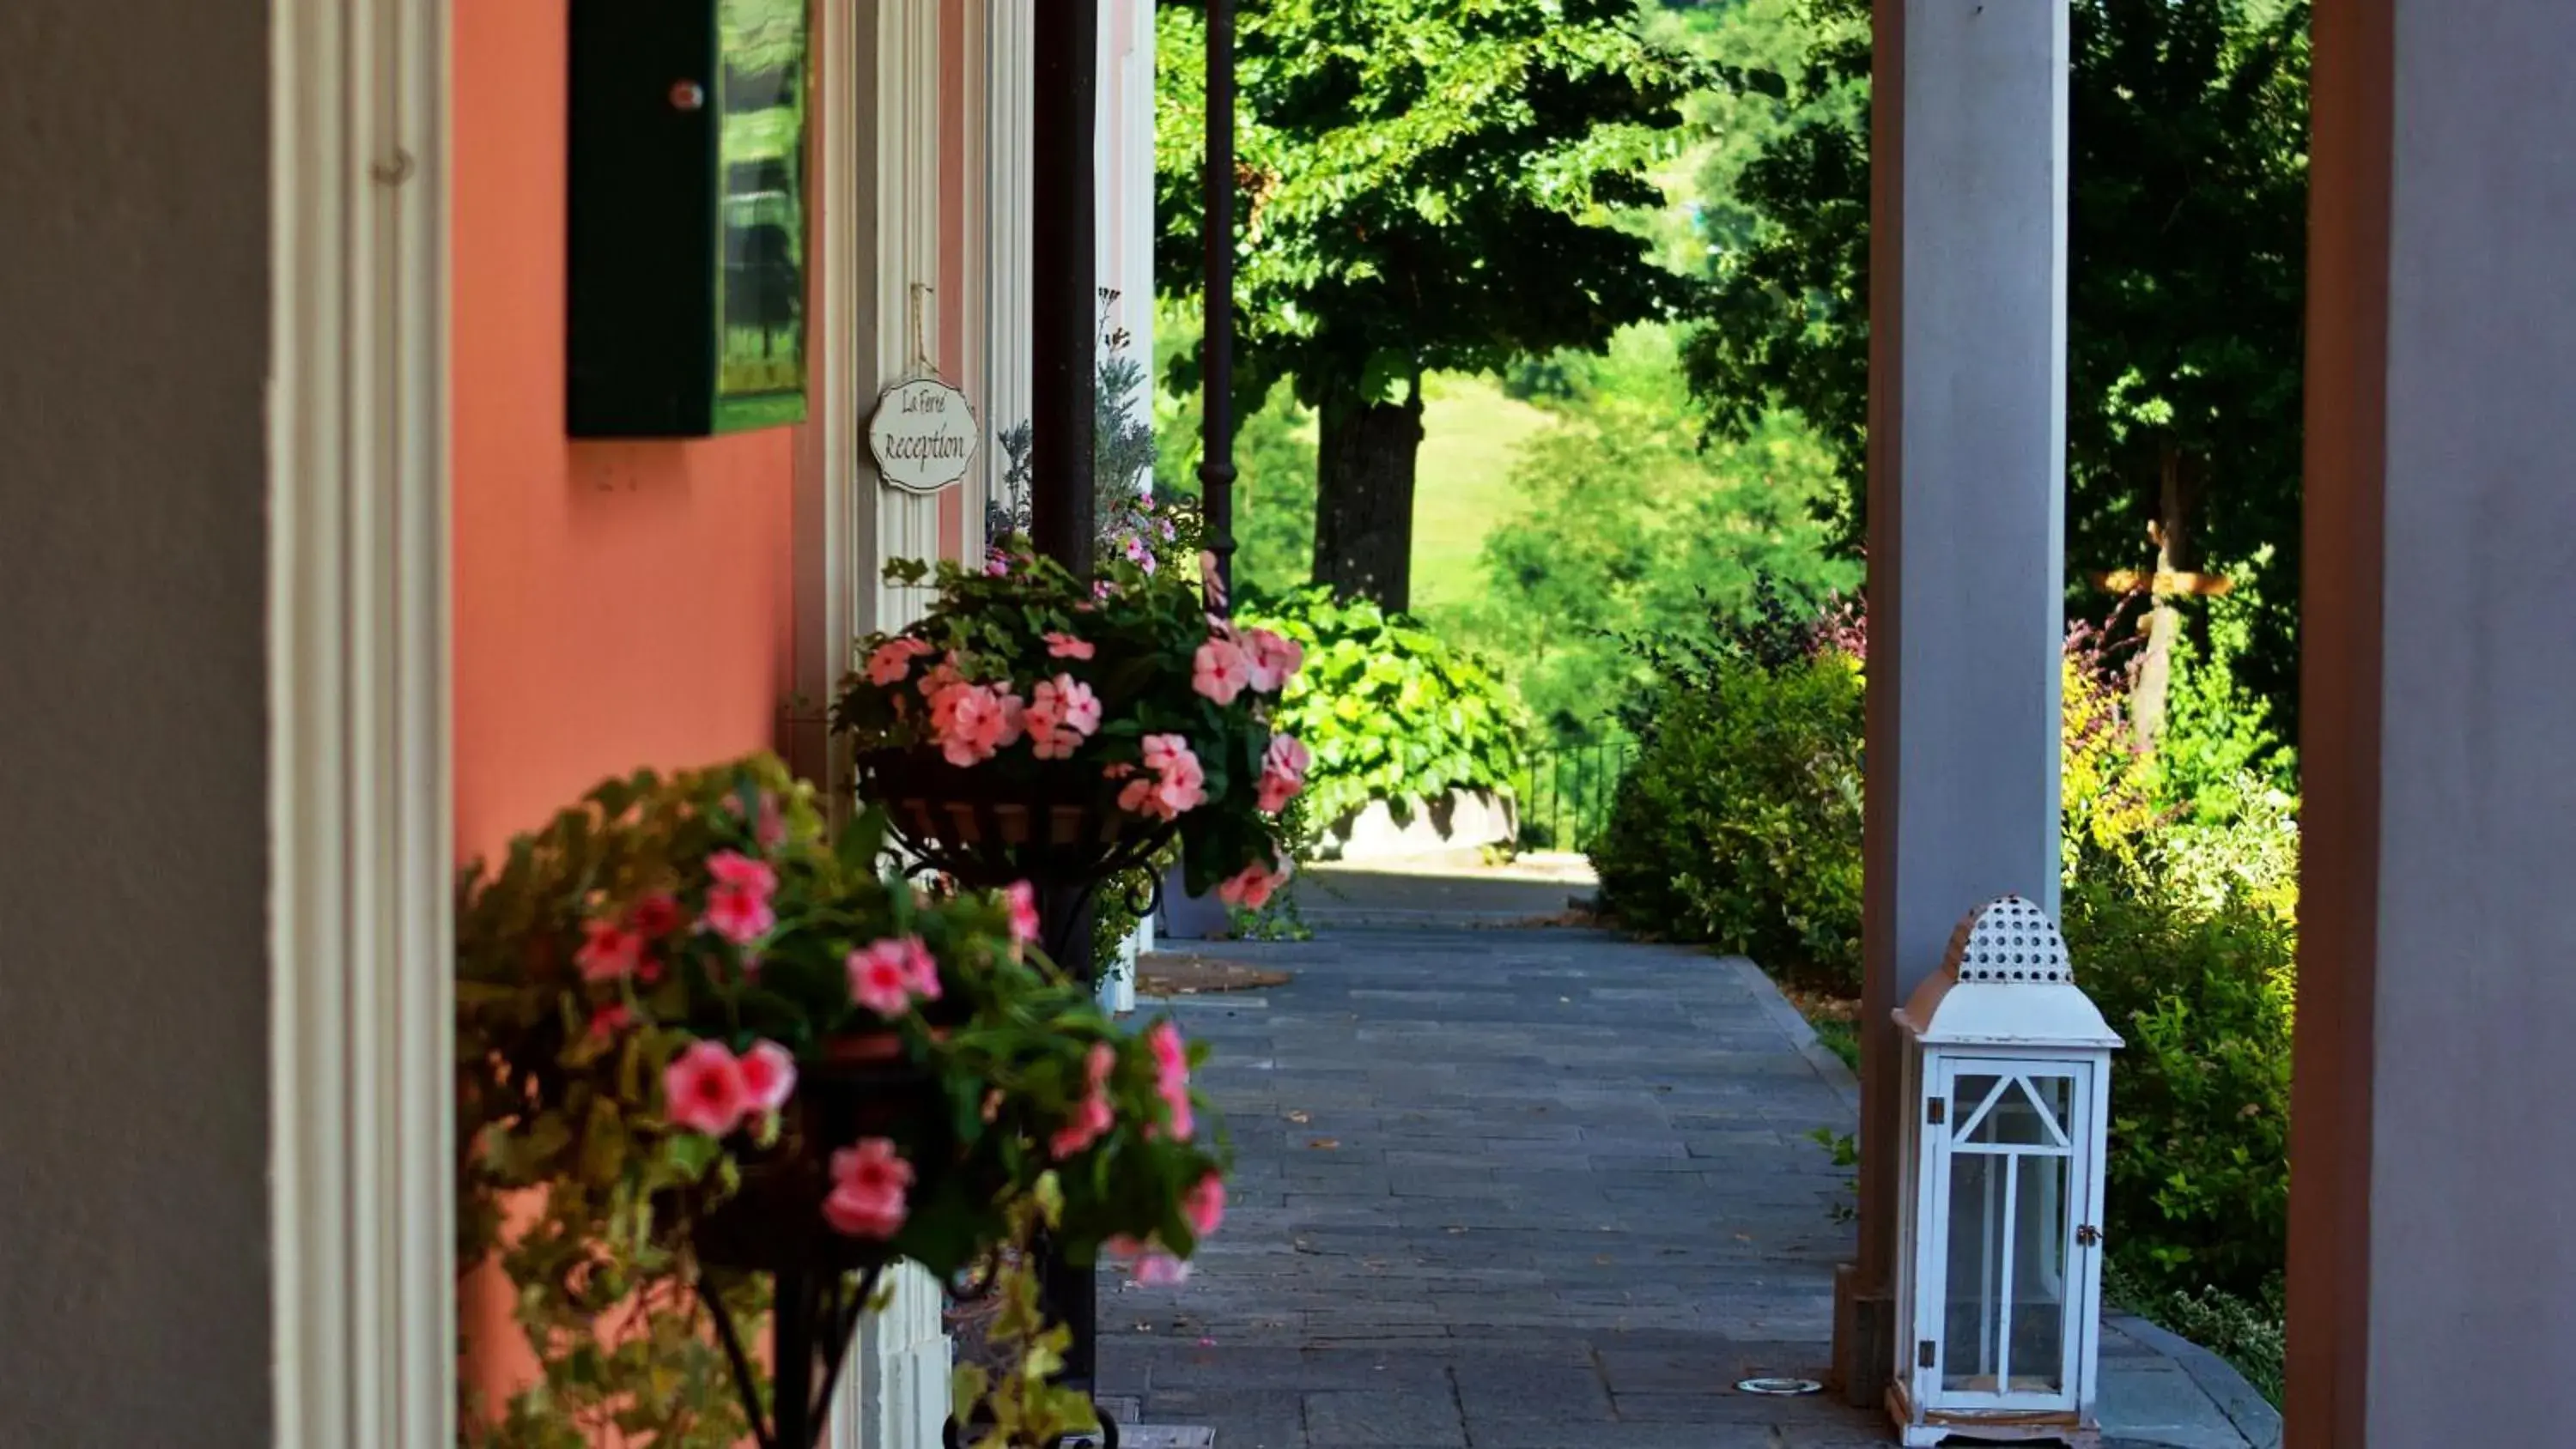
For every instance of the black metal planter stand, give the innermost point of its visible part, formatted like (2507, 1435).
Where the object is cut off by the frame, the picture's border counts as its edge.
(813, 1316)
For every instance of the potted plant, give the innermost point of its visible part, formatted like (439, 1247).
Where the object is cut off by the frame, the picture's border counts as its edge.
(723, 1047)
(1033, 726)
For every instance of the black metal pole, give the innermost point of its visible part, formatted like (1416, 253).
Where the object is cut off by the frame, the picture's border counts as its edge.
(1065, 299)
(1216, 453)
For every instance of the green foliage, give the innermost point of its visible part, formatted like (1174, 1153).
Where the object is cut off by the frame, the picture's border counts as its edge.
(2202, 990)
(1739, 822)
(2250, 1333)
(1274, 463)
(1625, 525)
(1433, 181)
(709, 910)
(2187, 216)
(1391, 710)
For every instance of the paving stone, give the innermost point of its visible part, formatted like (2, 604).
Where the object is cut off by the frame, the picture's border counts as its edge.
(1571, 1201)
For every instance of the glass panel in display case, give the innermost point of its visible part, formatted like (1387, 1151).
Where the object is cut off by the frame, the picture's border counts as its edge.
(761, 293)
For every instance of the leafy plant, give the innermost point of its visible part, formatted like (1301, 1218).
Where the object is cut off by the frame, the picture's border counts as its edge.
(648, 989)
(1391, 711)
(1125, 691)
(1434, 187)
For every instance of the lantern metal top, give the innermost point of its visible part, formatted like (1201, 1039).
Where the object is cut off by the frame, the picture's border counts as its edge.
(2005, 981)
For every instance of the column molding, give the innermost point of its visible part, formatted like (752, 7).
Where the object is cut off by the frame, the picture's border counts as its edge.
(1010, 178)
(907, 257)
(362, 1242)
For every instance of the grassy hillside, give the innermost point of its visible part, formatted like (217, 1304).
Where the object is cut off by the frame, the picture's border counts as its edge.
(1471, 434)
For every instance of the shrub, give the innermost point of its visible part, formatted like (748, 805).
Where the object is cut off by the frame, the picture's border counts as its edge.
(1390, 710)
(1739, 822)
(2200, 1100)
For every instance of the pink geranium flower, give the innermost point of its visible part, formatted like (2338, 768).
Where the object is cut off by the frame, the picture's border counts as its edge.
(733, 868)
(768, 1076)
(886, 976)
(1252, 887)
(869, 1185)
(1205, 1205)
(1065, 646)
(1062, 713)
(609, 952)
(1172, 1070)
(1271, 659)
(611, 1019)
(976, 721)
(703, 1090)
(1092, 1116)
(1022, 899)
(740, 914)
(1147, 1263)
(1220, 670)
(1283, 772)
(889, 662)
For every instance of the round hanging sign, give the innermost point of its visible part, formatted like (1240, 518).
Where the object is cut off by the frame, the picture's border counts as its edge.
(923, 435)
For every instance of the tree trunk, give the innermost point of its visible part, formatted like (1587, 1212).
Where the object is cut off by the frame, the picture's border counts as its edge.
(2149, 693)
(1364, 473)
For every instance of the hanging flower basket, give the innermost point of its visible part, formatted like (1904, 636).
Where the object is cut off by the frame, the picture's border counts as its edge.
(750, 1071)
(987, 829)
(1032, 727)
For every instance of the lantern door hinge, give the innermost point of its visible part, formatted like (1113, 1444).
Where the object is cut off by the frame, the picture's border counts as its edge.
(2089, 1235)
(1937, 1111)
(1927, 1353)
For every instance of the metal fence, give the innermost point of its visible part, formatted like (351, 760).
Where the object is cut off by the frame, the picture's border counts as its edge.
(1565, 792)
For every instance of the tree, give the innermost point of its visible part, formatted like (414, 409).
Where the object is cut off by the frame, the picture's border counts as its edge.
(1433, 185)
(2187, 214)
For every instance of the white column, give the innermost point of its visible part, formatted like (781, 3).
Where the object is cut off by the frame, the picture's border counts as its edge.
(907, 265)
(2432, 1293)
(1009, 182)
(1966, 505)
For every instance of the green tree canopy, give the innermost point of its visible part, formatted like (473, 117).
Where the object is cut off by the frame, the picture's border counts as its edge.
(2187, 220)
(1431, 185)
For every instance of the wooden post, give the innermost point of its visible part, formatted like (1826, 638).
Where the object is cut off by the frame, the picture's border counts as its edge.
(1066, 287)
(1216, 453)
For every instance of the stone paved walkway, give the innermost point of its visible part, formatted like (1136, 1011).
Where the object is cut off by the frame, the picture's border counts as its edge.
(1517, 1189)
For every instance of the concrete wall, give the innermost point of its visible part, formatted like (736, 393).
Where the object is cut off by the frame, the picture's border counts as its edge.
(133, 771)
(2432, 1300)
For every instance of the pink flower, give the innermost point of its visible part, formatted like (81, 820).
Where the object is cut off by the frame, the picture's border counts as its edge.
(976, 721)
(771, 829)
(1272, 659)
(1022, 898)
(655, 915)
(1283, 772)
(1253, 887)
(703, 1090)
(1210, 583)
(733, 868)
(1139, 555)
(739, 913)
(1219, 670)
(611, 952)
(1172, 1068)
(1091, 1121)
(889, 662)
(1184, 785)
(886, 976)
(611, 1019)
(1148, 1264)
(1205, 1205)
(869, 1183)
(1065, 646)
(768, 1075)
(939, 677)
(1062, 713)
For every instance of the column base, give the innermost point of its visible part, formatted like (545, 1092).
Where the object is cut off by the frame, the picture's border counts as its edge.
(1864, 1339)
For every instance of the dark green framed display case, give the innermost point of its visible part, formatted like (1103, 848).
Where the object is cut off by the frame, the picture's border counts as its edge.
(687, 234)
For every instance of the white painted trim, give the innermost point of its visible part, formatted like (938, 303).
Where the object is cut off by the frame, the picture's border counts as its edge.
(362, 1244)
(907, 264)
(1010, 183)
(974, 290)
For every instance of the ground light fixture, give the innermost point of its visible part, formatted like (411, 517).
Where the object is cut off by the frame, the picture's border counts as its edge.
(2007, 1070)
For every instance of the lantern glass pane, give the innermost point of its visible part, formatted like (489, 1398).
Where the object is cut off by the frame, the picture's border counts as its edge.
(1972, 1317)
(2030, 1112)
(2040, 1232)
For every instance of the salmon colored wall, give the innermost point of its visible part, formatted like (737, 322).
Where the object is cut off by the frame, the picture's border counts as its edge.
(616, 604)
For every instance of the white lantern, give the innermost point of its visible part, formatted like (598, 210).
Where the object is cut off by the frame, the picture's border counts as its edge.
(2008, 1070)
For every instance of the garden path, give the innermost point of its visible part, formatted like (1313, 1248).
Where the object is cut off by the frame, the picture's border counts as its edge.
(1526, 1188)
